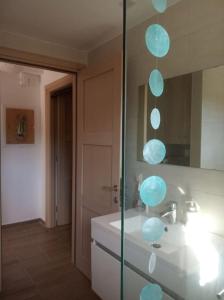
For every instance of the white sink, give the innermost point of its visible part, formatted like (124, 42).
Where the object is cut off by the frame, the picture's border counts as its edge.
(188, 256)
(131, 225)
(171, 241)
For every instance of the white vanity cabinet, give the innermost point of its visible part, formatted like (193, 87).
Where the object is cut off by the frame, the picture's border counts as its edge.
(178, 269)
(105, 274)
(106, 270)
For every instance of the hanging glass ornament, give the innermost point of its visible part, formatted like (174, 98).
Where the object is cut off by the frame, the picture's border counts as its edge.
(160, 5)
(155, 118)
(154, 152)
(153, 191)
(153, 229)
(151, 292)
(156, 83)
(157, 40)
(152, 263)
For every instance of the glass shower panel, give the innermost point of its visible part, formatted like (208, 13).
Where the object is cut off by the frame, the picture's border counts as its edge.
(173, 228)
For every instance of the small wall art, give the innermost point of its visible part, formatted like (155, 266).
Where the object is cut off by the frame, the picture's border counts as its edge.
(19, 126)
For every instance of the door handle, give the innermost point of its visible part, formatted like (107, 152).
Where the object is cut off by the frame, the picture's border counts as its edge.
(110, 188)
(115, 188)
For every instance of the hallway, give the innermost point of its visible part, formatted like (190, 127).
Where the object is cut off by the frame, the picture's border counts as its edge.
(36, 265)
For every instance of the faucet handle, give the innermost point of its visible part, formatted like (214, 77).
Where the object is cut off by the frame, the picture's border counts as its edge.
(172, 205)
(170, 212)
(192, 206)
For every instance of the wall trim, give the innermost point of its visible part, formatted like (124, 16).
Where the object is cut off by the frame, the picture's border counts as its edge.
(38, 220)
(40, 61)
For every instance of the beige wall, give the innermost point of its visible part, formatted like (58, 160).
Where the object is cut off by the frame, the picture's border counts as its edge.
(196, 111)
(21, 171)
(106, 51)
(196, 29)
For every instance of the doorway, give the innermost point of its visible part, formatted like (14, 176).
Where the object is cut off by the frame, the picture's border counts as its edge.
(61, 147)
(24, 166)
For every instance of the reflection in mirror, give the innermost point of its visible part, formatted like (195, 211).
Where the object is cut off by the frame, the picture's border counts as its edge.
(192, 110)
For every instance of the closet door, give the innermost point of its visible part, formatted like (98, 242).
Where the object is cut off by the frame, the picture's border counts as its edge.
(98, 157)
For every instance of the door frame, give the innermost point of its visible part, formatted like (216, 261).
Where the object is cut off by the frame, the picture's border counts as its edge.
(50, 221)
(48, 63)
(40, 61)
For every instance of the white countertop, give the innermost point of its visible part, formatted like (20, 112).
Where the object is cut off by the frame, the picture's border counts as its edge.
(178, 266)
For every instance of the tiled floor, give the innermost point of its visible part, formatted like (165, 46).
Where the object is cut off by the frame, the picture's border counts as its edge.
(36, 265)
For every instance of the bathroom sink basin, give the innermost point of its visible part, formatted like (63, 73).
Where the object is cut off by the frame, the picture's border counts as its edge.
(170, 242)
(131, 225)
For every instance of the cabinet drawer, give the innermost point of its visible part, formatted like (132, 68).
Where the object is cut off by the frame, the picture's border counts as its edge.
(134, 283)
(106, 277)
(105, 274)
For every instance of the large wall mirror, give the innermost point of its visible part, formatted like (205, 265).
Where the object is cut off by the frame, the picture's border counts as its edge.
(192, 105)
(192, 114)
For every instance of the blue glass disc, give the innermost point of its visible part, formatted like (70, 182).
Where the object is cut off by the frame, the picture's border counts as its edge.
(153, 191)
(156, 83)
(155, 118)
(157, 40)
(151, 292)
(153, 229)
(154, 152)
(160, 5)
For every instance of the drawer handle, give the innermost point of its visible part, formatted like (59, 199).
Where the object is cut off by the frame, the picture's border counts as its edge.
(220, 295)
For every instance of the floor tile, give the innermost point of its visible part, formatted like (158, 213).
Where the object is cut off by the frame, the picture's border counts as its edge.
(37, 265)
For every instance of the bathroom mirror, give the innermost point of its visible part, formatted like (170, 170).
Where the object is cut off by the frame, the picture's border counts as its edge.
(192, 110)
(192, 105)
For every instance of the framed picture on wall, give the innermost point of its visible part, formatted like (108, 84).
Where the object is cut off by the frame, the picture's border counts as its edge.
(19, 126)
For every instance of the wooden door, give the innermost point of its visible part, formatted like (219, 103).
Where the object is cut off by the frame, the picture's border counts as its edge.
(63, 155)
(98, 152)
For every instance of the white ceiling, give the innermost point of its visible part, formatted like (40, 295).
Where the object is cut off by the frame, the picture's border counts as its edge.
(80, 24)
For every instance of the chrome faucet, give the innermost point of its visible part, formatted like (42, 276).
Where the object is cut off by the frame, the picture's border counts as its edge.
(170, 213)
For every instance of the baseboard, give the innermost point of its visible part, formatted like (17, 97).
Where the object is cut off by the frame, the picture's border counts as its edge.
(25, 222)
